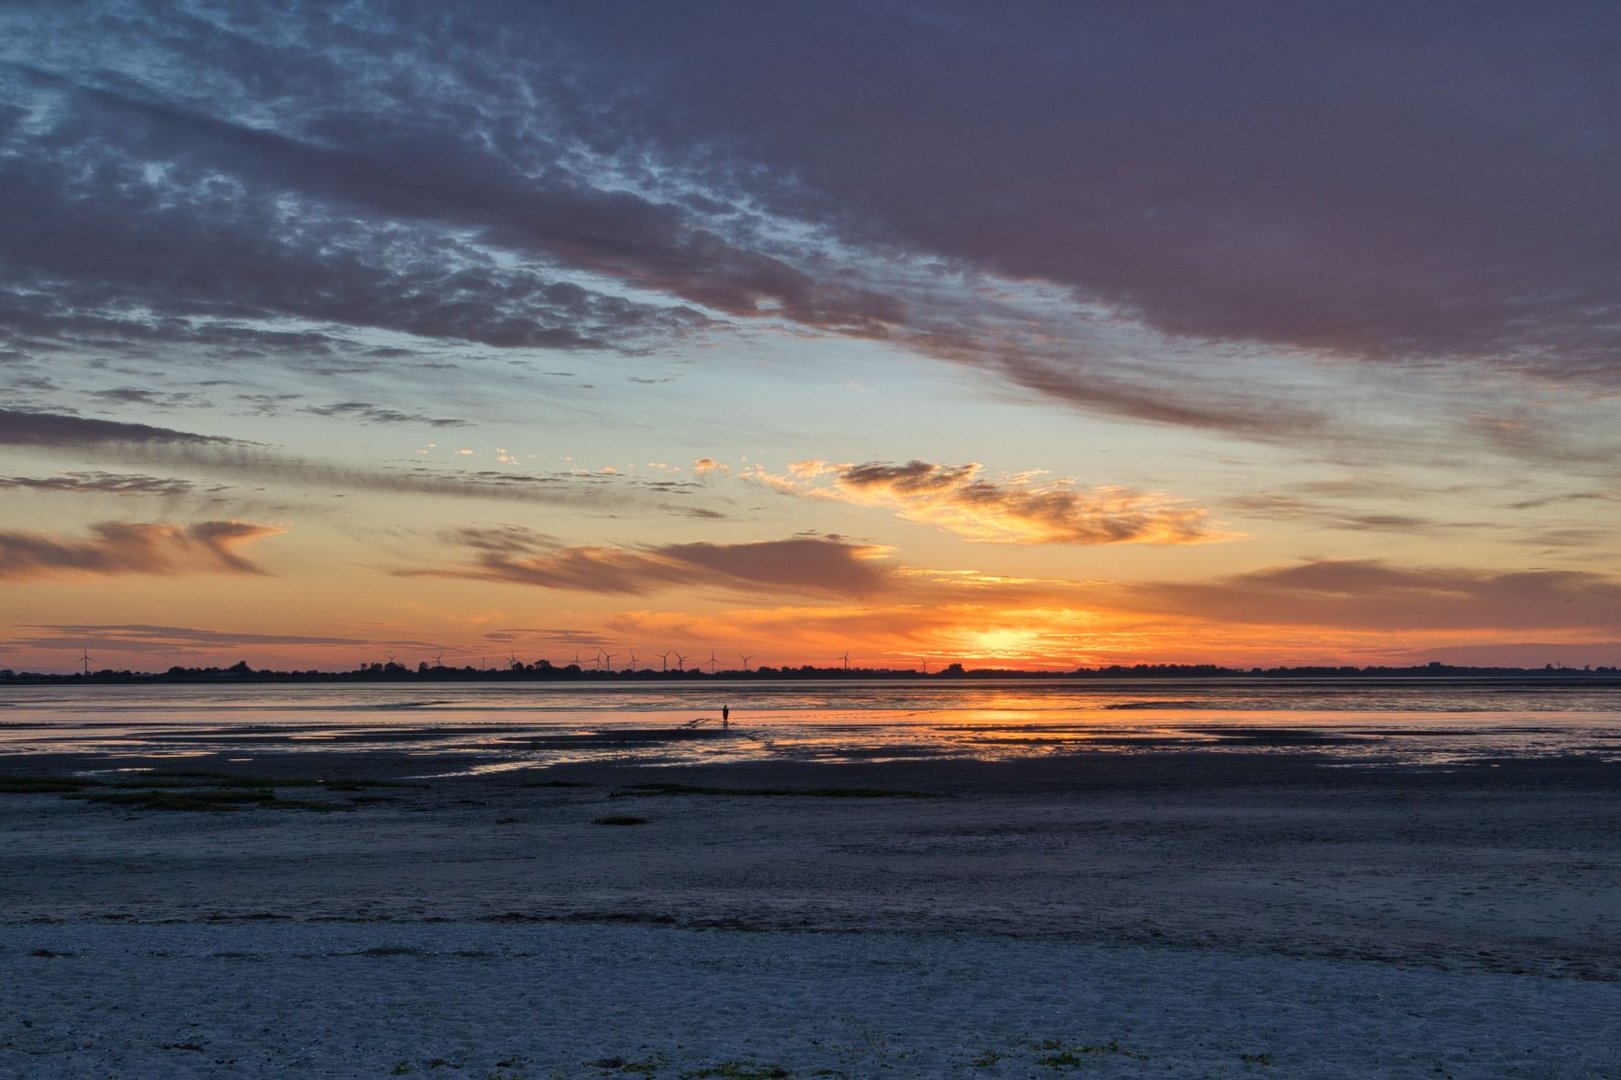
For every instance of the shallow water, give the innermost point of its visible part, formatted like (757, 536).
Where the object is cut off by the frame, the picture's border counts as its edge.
(503, 725)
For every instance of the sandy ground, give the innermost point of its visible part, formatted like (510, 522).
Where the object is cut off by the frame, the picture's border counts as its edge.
(1171, 914)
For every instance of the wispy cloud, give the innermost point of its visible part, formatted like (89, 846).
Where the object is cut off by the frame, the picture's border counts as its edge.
(143, 637)
(803, 565)
(1280, 506)
(366, 412)
(601, 491)
(529, 637)
(101, 483)
(1022, 509)
(123, 548)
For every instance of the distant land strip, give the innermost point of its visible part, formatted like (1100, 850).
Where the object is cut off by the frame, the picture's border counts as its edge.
(545, 671)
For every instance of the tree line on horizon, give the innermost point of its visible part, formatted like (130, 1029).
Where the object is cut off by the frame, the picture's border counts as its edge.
(546, 671)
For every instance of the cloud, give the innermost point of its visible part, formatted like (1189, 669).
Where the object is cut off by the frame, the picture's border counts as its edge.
(134, 395)
(1522, 653)
(1364, 594)
(1019, 510)
(366, 412)
(1276, 506)
(249, 461)
(579, 637)
(1312, 205)
(119, 548)
(101, 483)
(1295, 183)
(163, 639)
(22, 428)
(368, 246)
(705, 465)
(804, 565)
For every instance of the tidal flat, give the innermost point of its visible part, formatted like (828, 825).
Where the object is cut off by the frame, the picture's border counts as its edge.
(1176, 913)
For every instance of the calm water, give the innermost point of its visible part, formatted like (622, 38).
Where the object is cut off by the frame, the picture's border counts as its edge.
(515, 726)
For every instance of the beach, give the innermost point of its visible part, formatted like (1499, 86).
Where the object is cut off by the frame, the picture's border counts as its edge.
(1173, 913)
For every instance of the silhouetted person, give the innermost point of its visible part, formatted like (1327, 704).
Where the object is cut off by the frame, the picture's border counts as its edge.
(725, 716)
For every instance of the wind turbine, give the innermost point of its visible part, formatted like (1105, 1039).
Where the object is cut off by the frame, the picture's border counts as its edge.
(846, 659)
(745, 658)
(712, 662)
(925, 660)
(512, 658)
(665, 657)
(632, 661)
(680, 662)
(85, 659)
(608, 661)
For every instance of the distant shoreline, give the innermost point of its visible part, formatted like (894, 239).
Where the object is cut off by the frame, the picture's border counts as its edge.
(544, 672)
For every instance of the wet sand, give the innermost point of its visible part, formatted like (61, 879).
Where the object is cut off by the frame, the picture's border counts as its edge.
(1499, 878)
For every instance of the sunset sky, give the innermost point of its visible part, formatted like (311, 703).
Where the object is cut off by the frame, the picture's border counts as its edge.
(1029, 335)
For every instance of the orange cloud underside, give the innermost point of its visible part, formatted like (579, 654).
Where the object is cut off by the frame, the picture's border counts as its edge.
(1016, 510)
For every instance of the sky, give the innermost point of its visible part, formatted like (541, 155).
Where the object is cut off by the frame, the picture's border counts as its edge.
(1026, 335)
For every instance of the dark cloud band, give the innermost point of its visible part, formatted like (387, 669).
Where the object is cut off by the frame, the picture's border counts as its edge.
(805, 565)
(21, 428)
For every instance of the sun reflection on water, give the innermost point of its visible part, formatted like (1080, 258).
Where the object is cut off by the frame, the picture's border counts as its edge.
(502, 727)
